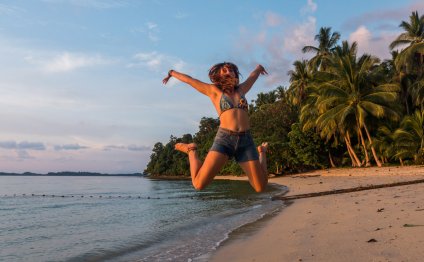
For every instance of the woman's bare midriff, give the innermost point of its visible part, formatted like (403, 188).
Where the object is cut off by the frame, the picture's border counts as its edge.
(235, 119)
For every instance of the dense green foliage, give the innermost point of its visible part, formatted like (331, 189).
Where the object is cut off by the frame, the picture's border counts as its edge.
(340, 109)
(271, 122)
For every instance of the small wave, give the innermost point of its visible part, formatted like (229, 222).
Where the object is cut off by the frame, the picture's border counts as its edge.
(172, 221)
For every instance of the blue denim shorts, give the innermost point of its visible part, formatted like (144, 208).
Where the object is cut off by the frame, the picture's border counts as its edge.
(239, 145)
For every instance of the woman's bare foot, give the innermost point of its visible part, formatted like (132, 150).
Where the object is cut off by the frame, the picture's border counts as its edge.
(263, 147)
(185, 148)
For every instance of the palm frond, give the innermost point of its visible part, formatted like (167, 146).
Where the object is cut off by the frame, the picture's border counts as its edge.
(406, 56)
(307, 49)
(372, 108)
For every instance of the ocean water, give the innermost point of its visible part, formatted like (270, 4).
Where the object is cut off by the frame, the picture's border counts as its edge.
(48, 218)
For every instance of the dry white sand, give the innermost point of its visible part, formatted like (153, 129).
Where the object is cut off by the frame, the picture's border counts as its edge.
(384, 224)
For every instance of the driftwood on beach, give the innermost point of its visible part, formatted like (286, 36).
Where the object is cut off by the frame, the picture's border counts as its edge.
(346, 190)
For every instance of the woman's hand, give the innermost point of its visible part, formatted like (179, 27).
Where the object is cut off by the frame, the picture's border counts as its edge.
(166, 79)
(261, 70)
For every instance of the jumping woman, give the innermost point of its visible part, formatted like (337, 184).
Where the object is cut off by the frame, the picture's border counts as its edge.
(233, 138)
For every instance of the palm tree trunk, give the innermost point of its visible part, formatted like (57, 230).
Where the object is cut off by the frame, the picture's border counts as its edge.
(277, 167)
(352, 159)
(406, 105)
(359, 146)
(372, 147)
(420, 63)
(331, 159)
(355, 158)
(349, 147)
(367, 158)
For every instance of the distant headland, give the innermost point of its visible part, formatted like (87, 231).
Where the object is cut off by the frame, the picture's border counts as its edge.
(68, 173)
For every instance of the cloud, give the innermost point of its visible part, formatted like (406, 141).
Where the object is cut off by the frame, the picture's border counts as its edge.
(180, 15)
(150, 29)
(66, 62)
(138, 148)
(301, 35)
(129, 148)
(247, 40)
(8, 145)
(376, 45)
(362, 36)
(114, 147)
(31, 145)
(9, 9)
(277, 47)
(157, 62)
(23, 155)
(69, 147)
(310, 7)
(152, 60)
(287, 43)
(272, 19)
(151, 25)
(390, 18)
(22, 145)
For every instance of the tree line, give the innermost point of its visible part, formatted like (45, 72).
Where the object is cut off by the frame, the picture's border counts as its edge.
(340, 109)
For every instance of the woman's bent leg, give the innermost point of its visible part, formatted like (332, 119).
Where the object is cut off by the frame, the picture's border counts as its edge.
(257, 178)
(213, 163)
(256, 170)
(202, 174)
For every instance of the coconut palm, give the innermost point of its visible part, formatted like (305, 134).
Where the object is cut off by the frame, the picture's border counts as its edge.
(410, 136)
(264, 99)
(327, 42)
(300, 78)
(412, 57)
(351, 96)
(417, 93)
(384, 141)
(406, 81)
(308, 115)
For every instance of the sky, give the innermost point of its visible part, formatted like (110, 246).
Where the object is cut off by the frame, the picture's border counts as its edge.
(81, 80)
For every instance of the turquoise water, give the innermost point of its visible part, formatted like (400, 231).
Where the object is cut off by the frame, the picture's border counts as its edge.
(47, 218)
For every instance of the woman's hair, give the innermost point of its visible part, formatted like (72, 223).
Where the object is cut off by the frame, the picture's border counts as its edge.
(224, 83)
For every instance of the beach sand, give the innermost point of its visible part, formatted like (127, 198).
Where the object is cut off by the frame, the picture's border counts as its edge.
(385, 224)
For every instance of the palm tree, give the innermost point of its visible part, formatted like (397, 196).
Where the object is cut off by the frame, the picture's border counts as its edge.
(410, 61)
(406, 81)
(264, 99)
(300, 78)
(327, 42)
(308, 115)
(350, 98)
(281, 93)
(417, 93)
(412, 57)
(385, 143)
(410, 136)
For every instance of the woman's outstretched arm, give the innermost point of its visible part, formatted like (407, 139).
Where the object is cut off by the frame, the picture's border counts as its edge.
(246, 85)
(200, 86)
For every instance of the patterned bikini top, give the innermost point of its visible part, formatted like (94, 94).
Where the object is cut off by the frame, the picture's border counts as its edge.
(226, 103)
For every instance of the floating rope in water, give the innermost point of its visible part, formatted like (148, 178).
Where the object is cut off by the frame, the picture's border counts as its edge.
(76, 196)
(118, 197)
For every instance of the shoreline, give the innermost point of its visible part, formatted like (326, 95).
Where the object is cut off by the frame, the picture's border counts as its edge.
(384, 224)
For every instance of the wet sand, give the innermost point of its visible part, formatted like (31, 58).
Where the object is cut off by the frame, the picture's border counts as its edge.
(385, 224)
